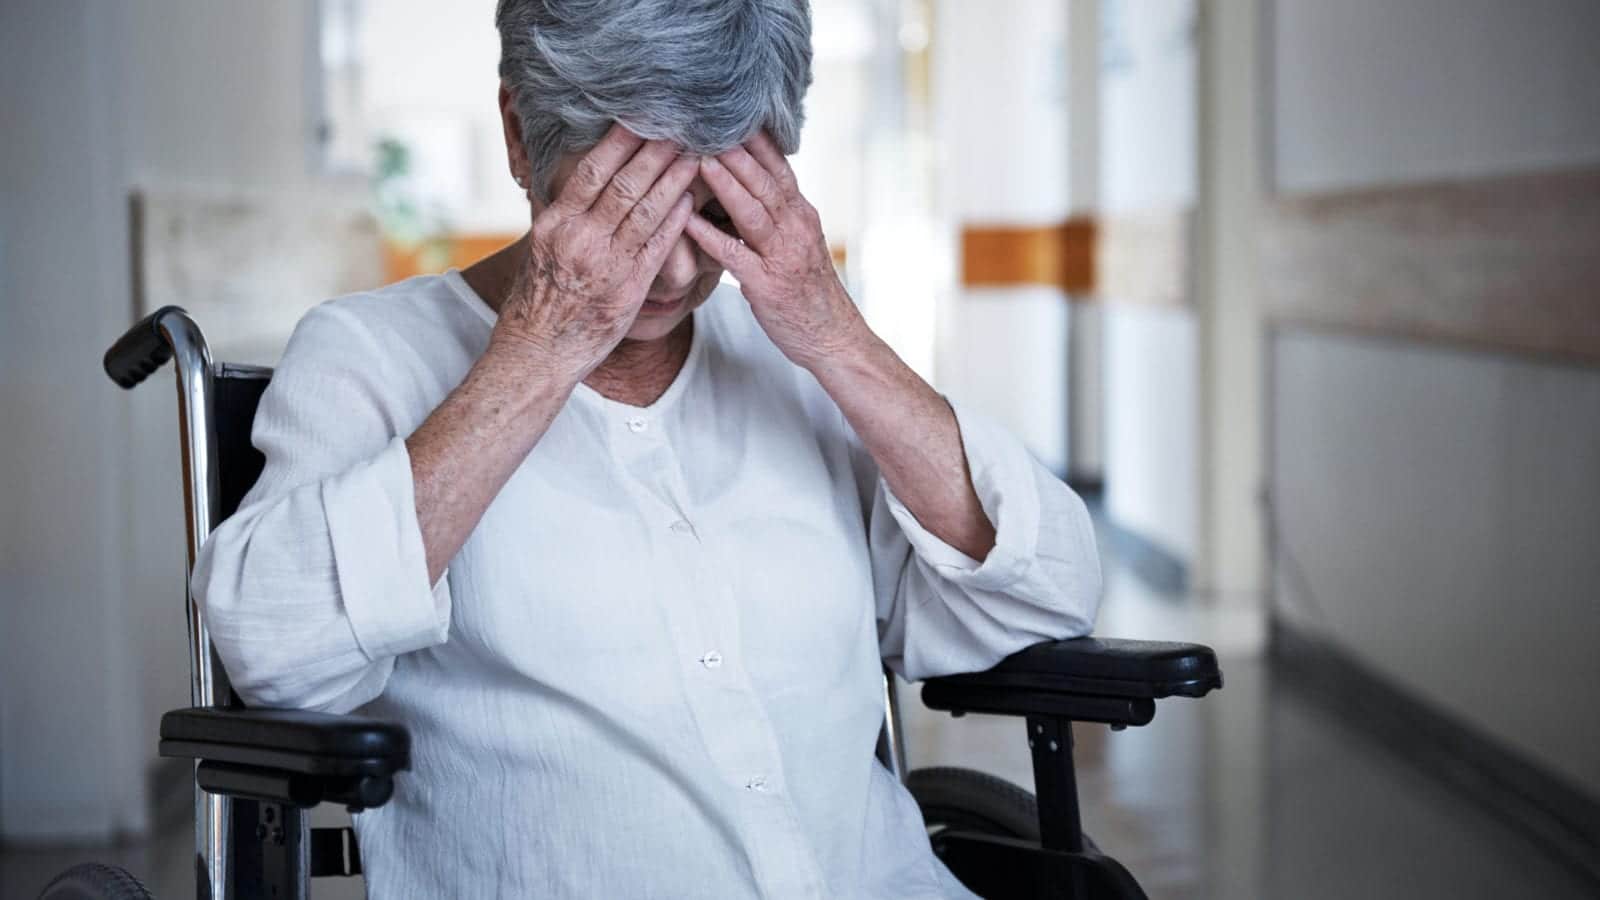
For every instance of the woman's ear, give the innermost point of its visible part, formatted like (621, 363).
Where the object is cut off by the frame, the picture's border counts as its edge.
(516, 152)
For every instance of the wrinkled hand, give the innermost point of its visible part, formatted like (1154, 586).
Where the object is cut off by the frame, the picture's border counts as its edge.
(593, 252)
(780, 255)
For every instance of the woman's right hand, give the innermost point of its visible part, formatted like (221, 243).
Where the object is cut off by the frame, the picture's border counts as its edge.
(593, 252)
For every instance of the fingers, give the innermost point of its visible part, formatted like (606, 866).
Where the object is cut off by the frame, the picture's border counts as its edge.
(632, 182)
(766, 152)
(596, 169)
(652, 209)
(660, 243)
(755, 178)
(727, 250)
(750, 216)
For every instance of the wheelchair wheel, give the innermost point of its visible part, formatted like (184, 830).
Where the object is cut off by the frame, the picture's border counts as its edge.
(95, 881)
(968, 800)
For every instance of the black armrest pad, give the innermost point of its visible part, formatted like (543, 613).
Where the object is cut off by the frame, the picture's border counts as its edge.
(1110, 667)
(290, 740)
(1093, 679)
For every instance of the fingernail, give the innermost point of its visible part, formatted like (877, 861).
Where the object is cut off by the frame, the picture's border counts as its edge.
(711, 162)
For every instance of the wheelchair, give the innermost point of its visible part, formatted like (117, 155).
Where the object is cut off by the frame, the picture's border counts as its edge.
(258, 772)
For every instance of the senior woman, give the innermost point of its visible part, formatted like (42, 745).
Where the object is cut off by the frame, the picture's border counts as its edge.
(623, 547)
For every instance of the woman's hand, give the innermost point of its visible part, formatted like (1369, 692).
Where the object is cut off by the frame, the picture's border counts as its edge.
(593, 252)
(780, 256)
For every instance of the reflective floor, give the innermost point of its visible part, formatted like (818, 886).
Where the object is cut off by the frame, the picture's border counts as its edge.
(1257, 791)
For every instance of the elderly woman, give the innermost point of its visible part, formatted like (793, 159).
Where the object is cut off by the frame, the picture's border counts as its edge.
(624, 547)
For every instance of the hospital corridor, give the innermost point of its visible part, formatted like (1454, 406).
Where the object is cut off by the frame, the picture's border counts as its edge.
(799, 448)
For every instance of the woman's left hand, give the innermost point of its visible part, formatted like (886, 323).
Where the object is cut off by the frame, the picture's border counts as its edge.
(780, 256)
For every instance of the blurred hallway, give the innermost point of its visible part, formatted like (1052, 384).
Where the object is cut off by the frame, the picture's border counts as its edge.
(1304, 290)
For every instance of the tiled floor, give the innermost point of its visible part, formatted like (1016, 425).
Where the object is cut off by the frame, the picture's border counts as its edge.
(1256, 791)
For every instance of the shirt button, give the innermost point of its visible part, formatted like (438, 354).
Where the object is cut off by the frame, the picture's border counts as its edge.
(711, 659)
(637, 424)
(757, 784)
(682, 526)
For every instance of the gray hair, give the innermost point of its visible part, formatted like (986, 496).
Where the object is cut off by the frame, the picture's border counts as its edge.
(707, 74)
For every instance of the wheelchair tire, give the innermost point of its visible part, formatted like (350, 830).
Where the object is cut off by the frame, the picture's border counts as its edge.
(95, 881)
(968, 800)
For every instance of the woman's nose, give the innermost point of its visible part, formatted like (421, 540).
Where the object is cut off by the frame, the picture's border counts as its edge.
(679, 271)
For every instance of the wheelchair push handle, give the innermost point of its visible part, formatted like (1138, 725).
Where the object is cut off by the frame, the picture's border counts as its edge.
(141, 351)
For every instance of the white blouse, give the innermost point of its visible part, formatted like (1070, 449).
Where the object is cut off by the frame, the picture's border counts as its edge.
(654, 668)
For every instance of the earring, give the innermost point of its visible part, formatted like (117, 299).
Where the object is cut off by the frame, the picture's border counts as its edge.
(522, 181)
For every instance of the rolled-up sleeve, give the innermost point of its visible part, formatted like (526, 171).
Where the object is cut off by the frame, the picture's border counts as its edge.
(320, 579)
(941, 611)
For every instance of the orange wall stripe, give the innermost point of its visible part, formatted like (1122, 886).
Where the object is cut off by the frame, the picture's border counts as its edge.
(1060, 256)
(456, 251)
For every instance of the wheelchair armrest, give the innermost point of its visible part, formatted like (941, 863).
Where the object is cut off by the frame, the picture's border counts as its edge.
(1087, 679)
(288, 755)
(309, 743)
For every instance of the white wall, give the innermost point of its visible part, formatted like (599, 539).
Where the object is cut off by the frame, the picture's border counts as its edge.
(217, 92)
(101, 99)
(1152, 409)
(1441, 508)
(61, 644)
(1442, 503)
(1376, 92)
(1086, 372)
(1006, 354)
(1231, 554)
(1147, 104)
(1000, 86)
(1147, 163)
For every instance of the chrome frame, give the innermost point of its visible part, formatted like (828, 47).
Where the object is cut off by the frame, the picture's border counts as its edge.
(892, 741)
(208, 681)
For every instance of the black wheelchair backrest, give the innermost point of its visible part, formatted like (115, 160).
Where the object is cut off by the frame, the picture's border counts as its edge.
(238, 394)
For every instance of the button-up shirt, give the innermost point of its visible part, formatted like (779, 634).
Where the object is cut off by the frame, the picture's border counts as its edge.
(654, 668)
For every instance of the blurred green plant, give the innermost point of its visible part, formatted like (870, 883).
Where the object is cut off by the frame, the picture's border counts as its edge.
(405, 218)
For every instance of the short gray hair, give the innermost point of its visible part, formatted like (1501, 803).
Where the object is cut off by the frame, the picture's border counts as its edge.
(708, 74)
